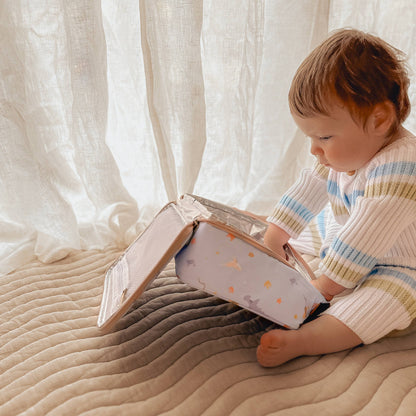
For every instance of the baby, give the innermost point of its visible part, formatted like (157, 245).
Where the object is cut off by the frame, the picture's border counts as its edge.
(358, 202)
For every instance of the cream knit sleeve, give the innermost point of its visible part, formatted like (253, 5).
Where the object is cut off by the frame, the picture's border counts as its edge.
(302, 202)
(386, 209)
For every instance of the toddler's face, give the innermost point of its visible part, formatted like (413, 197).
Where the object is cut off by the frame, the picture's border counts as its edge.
(339, 142)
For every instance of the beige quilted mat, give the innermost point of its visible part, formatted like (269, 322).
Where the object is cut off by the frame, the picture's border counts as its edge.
(177, 352)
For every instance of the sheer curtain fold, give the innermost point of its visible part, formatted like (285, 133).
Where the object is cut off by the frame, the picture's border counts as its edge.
(175, 89)
(60, 186)
(108, 110)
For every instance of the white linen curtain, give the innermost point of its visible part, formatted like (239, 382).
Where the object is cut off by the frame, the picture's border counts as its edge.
(109, 109)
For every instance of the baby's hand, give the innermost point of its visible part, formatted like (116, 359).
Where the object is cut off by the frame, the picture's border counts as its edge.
(327, 287)
(275, 238)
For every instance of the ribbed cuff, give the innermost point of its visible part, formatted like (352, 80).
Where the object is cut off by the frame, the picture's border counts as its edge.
(370, 313)
(303, 201)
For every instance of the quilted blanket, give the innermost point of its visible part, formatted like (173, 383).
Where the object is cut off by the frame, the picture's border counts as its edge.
(178, 351)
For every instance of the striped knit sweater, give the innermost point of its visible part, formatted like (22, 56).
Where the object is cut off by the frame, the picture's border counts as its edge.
(376, 208)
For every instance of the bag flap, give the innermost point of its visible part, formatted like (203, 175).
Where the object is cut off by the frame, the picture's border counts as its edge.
(145, 258)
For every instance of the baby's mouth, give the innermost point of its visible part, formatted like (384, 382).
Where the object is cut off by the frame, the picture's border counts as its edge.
(323, 162)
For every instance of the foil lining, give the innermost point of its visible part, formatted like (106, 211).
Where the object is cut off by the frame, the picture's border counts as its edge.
(194, 208)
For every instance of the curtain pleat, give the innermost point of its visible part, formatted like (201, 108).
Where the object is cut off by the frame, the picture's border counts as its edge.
(110, 109)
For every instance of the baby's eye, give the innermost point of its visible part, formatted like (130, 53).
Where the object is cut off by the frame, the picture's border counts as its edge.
(325, 137)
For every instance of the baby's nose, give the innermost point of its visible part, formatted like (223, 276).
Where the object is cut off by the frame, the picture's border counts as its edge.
(315, 149)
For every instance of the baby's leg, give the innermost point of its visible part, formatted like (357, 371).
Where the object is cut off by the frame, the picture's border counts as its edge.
(323, 335)
(384, 302)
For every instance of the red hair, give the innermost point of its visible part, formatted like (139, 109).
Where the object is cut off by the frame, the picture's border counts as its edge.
(358, 69)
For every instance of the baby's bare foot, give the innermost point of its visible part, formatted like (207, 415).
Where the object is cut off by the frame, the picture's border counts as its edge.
(276, 347)
(323, 335)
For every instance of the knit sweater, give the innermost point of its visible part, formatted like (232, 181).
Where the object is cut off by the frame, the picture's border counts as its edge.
(376, 208)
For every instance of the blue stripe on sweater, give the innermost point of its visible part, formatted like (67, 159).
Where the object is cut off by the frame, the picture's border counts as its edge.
(353, 255)
(297, 207)
(347, 199)
(353, 197)
(394, 168)
(390, 271)
(333, 189)
(320, 221)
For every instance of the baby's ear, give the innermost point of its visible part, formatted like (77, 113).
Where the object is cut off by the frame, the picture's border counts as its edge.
(383, 117)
